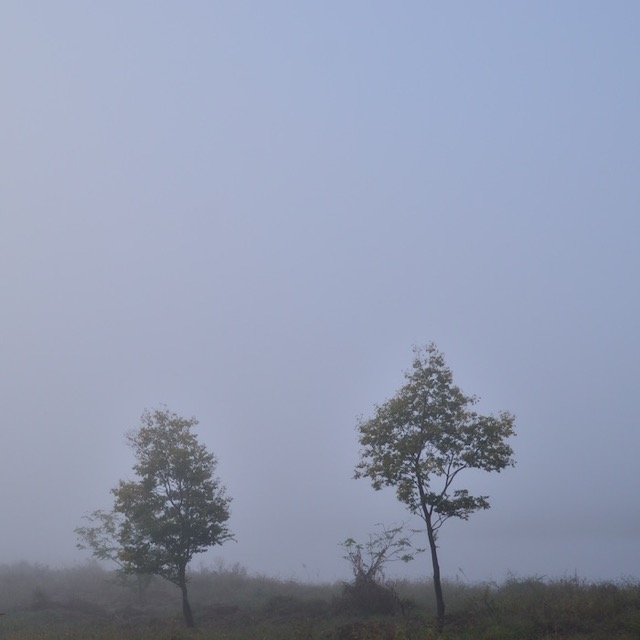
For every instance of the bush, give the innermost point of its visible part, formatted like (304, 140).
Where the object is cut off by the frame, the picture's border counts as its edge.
(367, 597)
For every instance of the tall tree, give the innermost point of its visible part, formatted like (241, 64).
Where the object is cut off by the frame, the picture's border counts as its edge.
(421, 439)
(176, 509)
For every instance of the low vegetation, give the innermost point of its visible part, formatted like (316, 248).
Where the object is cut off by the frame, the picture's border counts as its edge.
(89, 602)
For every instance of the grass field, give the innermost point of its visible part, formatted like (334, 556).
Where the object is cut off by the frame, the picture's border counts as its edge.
(90, 603)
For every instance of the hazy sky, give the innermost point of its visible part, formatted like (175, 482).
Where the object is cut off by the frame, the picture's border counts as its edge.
(250, 211)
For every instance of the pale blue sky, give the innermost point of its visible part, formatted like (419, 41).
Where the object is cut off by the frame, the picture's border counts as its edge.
(250, 211)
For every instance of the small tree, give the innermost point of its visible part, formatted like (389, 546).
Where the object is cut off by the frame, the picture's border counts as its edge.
(425, 436)
(368, 559)
(176, 509)
(371, 592)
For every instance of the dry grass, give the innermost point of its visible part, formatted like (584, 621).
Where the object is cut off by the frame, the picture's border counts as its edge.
(90, 603)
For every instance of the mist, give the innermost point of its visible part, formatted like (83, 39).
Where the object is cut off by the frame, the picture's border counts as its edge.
(251, 212)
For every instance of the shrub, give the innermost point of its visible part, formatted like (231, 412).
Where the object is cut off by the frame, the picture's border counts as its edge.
(367, 597)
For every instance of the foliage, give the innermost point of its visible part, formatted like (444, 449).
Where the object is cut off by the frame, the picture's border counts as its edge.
(420, 440)
(176, 509)
(426, 431)
(101, 536)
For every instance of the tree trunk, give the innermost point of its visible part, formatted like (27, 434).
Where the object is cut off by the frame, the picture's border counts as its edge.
(186, 607)
(437, 584)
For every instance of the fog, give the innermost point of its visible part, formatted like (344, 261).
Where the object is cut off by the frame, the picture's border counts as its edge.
(251, 211)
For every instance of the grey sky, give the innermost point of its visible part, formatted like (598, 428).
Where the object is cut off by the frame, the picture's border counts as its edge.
(250, 211)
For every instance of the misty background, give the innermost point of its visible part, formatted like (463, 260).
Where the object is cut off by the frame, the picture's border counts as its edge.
(250, 211)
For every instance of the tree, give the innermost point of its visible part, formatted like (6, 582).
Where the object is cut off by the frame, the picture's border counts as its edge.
(420, 440)
(176, 509)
